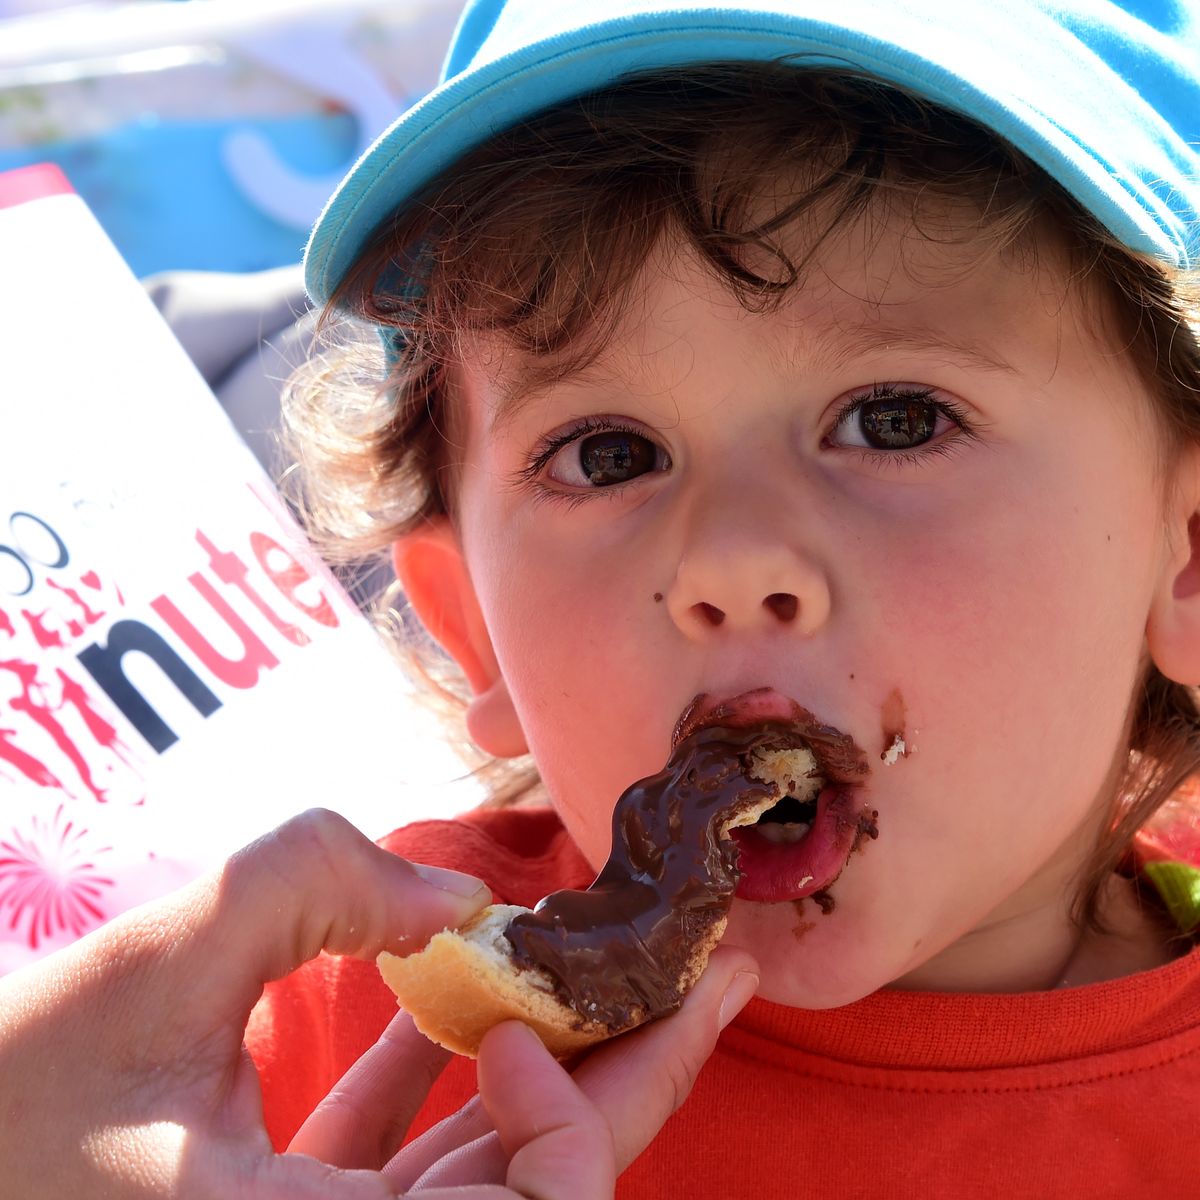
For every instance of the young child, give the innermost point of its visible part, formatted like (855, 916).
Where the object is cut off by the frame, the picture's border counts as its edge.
(834, 356)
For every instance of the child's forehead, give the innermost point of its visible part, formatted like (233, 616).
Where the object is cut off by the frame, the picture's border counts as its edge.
(879, 285)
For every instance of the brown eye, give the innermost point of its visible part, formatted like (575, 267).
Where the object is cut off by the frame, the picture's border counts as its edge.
(898, 424)
(600, 454)
(613, 456)
(898, 417)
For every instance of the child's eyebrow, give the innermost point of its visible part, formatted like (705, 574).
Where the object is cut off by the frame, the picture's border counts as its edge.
(831, 351)
(839, 350)
(523, 388)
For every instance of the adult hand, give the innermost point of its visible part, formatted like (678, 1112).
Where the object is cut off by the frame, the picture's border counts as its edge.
(534, 1130)
(122, 1072)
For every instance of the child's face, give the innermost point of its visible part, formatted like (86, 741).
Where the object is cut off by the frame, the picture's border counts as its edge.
(982, 587)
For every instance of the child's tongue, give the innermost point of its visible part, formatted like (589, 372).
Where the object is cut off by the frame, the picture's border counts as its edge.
(773, 871)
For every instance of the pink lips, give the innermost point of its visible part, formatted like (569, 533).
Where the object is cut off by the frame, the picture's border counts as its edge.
(773, 872)
(750, 708)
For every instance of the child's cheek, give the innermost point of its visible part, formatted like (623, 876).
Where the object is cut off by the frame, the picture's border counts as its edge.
(596, 710)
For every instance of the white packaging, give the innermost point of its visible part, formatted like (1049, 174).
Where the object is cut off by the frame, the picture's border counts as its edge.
(178, 671)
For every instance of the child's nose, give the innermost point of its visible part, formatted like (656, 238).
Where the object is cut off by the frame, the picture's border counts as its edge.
(732, 580)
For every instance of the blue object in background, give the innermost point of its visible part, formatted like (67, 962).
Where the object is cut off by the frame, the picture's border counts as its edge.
(163, 193)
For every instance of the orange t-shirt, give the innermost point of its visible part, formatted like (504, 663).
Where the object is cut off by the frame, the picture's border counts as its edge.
(1084, 1091)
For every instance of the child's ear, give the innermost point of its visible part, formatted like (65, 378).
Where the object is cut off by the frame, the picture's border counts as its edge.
(432, 571)
(1173, 627)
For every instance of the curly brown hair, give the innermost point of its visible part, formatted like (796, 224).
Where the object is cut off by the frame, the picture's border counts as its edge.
(538, 235)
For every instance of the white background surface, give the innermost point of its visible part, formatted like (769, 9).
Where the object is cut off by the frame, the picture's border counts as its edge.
(111, 436)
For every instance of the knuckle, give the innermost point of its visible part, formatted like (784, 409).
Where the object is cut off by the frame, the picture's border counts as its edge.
(306, 861)
(679, 1074)
(318, 826)
(318, 843)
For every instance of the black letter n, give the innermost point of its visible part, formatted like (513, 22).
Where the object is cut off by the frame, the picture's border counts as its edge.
(104, 663)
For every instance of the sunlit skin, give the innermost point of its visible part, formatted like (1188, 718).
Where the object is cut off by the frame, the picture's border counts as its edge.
(999, 577)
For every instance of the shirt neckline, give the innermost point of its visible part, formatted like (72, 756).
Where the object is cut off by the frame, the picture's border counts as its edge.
(975, 1030)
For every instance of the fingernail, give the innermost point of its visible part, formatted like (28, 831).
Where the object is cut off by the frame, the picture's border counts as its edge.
(455, 882)
(737, 995)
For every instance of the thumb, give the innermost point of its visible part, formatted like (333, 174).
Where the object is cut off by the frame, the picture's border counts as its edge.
(637, 1081)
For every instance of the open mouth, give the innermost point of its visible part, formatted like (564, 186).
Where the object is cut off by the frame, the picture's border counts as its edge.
(787, 822)
(799, 845)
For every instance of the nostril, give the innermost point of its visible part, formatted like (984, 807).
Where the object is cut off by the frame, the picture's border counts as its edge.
(709, 613)
(783, 604)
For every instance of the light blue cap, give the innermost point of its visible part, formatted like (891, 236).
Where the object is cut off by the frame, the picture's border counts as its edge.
(1104, 96)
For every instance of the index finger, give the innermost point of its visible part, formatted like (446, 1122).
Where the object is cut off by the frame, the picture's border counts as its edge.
(363, 1119)
(315, 883)
(558, 1144)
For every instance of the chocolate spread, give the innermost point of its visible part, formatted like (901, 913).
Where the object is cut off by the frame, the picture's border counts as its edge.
(619, 951)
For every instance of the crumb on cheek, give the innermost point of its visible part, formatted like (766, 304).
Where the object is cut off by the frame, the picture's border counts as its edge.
(893, 718)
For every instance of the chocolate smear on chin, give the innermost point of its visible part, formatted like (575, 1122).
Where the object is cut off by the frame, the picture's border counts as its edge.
(624, 951)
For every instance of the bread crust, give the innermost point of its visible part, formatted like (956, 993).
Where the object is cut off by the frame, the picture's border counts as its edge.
(461, 984)
(465, 981)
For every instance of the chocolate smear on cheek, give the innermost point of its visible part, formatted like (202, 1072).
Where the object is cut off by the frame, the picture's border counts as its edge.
(621, 952)
(866, 827)
(893, 717)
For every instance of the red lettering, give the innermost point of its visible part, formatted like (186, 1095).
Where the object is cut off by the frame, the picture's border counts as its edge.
(289, 576)
(102, 730)
(32, 768)
(239, 673)
(31, 703)
(89, 616)
(228, 568)
(45, 637)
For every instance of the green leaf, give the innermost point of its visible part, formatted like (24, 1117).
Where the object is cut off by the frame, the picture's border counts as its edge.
(1179, 886)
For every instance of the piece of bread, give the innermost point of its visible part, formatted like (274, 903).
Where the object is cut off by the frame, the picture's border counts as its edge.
(465, 981)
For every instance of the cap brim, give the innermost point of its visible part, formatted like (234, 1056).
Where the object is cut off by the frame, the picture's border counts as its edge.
(1027, 78)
